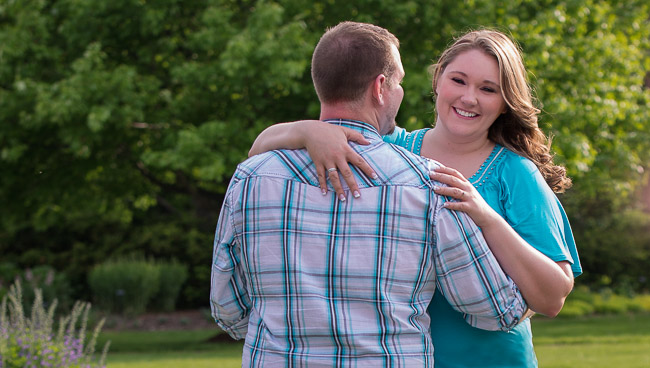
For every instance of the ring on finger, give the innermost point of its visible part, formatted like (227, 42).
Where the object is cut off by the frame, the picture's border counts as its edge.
(331, 169)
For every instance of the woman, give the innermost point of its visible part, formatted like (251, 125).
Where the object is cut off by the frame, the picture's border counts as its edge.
(486, 129)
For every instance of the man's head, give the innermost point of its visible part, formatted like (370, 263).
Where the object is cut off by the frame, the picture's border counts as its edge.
(349, 59)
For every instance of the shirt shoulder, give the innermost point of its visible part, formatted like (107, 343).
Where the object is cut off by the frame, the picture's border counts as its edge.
(282, 164)
(396, 165)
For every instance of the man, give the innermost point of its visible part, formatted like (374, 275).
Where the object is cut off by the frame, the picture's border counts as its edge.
(313, 280)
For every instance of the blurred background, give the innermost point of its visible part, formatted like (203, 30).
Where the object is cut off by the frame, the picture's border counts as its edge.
(122, 121)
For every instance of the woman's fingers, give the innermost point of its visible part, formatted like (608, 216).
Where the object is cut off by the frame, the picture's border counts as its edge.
(449, 171)
(355, 136)
(451, 192)
(340, 172)
(356, 160)
(450, 180)
(322, 178)
(337, 170)
(346, 173)
(331, 152)
(333, 176)
(468, 198)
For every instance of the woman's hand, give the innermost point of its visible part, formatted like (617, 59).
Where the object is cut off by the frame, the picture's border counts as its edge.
(328, 147)
(469, 199)
(543, 282)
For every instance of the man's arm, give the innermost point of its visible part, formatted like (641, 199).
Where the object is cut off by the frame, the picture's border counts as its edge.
(470, 277)
(229, 298)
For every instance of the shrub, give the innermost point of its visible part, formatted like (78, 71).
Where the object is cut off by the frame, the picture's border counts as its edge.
(582, 302)
(31, 342)
(635, 305)
(610, 304)
(8, 273)
(644, 301)
(581, 293)
(172, 275)
(53, 285)
(124, 285)
(130, 285)
(576, 308)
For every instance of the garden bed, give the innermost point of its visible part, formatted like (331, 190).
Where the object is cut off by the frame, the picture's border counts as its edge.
(198, 319)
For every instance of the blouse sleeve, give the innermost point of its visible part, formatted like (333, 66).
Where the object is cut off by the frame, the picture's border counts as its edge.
(536, 214)
(412, 141)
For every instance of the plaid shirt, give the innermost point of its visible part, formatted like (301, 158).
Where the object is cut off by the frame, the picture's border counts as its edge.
(309, 280)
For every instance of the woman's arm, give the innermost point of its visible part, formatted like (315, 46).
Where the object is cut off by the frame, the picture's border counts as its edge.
(327, 145)
(544, 283)
(469, 276)
(282, 136)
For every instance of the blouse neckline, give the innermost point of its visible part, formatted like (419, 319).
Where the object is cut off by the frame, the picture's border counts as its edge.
(487, 167)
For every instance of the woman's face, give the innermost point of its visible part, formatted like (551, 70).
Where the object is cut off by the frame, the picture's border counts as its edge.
(469, 96)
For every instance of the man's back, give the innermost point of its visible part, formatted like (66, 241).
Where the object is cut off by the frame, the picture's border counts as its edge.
(336, 283)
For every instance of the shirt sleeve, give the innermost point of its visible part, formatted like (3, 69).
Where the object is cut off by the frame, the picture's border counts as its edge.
(536, 214)
(469, 276)
(229, 299)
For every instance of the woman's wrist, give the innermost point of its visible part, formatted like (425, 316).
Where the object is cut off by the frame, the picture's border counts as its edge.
(492, 221)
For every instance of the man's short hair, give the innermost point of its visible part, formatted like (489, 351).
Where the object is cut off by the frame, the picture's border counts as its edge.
(348, 57)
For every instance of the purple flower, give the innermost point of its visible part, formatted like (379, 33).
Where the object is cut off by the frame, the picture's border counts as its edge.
(49, 278)
(29, 275)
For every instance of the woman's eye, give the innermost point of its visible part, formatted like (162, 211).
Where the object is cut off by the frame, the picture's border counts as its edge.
(458, 80)
(489, 89)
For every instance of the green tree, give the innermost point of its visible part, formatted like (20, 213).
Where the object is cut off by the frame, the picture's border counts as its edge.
(122, 121)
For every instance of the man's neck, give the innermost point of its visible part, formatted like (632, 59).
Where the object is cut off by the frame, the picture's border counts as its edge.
(343, 111)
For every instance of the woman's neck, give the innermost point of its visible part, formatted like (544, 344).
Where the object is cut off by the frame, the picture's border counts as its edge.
(465, 154)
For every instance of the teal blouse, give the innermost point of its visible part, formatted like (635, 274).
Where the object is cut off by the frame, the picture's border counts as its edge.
(513, 186)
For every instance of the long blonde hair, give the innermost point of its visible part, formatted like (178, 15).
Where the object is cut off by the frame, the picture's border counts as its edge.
(517, 128)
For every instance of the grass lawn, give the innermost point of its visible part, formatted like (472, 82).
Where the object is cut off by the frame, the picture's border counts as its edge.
(607, 341)
(586, 342)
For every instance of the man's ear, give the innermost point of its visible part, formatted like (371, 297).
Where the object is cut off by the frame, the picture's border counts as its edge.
(378, 88)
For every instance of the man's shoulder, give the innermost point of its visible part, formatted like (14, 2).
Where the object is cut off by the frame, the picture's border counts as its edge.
(254, 162)
(282, 163)
(399, 165)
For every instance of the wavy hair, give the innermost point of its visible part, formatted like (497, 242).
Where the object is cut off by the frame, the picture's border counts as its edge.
(517, 129)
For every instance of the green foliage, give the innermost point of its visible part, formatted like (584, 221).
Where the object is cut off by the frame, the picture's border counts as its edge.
(124, 286)
(122, 121)
(53, 285)
(613, 240)
(131, 285)
(171, 276)
(8, 273)
(32, 341)
(583, 302)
